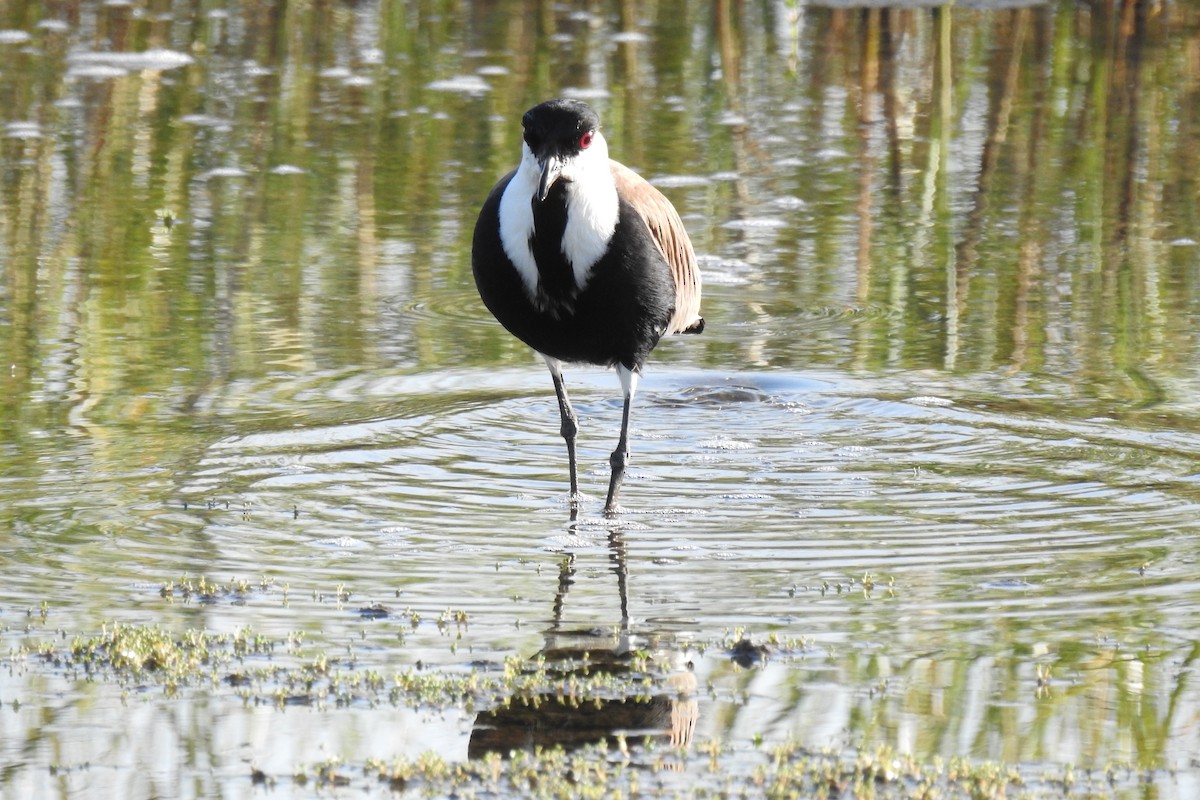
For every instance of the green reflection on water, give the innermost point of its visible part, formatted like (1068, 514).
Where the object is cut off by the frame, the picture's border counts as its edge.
(981, 190)
(979, 194)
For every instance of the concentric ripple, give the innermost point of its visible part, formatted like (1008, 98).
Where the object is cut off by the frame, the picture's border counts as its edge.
(865, 535)
(749, 486)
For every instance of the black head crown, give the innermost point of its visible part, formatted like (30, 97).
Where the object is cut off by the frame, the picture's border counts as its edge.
(559, 127)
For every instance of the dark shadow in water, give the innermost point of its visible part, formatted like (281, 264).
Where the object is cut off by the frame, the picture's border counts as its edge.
(667, 715)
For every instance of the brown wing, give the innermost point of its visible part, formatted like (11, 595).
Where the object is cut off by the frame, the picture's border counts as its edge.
(664, 223)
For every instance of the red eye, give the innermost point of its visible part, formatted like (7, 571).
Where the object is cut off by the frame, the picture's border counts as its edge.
(585, 141)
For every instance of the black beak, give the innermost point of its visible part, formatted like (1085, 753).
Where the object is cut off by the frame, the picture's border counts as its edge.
(551, 166)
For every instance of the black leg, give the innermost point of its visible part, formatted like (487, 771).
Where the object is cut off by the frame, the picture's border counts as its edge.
(569, 427)
(620, 457)
(618, 460)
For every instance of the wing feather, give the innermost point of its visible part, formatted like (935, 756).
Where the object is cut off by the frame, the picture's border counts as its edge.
(669, 234)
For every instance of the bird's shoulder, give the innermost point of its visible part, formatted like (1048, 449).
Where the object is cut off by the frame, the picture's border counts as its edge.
(497, 191)
(636, 189)
(487, 225)
(657, 212)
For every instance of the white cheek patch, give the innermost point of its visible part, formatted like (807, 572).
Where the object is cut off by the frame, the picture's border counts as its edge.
(593, 209)
(516, 219)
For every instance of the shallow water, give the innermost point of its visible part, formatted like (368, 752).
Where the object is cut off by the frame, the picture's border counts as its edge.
(935, 457)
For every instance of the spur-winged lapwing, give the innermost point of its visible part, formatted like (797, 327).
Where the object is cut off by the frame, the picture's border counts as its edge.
(584, 261)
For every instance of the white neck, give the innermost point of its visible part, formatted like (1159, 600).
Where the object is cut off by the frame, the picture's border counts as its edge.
(592, 209)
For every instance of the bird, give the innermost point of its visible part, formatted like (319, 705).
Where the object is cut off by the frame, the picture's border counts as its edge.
(584, 261)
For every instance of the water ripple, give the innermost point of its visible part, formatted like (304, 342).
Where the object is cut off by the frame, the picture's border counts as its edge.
(450, 489)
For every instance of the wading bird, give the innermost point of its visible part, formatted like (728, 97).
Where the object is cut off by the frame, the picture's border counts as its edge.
(584, 261)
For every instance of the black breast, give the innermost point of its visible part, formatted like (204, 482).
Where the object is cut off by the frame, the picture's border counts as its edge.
(619, 315)
(556, 279)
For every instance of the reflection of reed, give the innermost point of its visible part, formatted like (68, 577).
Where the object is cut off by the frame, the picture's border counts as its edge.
(934, 195)
(1003, 75)
(1128, 38)
(878, 105)
(730, 52)
(1040, 166)
(551, 719)
(868, 84)
(728, 46)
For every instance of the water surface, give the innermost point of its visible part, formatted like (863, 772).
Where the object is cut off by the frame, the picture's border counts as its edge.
(928, 480)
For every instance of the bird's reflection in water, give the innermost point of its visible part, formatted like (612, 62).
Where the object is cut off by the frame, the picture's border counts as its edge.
(666, 714)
